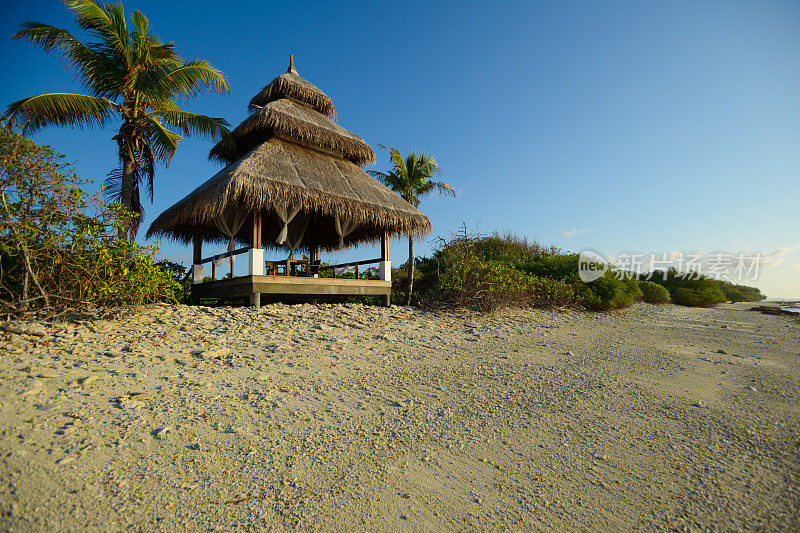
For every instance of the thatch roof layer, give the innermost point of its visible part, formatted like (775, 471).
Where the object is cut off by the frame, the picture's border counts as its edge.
(288, 119)
(280, 172)
(296, 88)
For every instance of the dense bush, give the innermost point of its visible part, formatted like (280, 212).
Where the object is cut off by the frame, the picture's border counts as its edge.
(612, 291)
(741, 293)
(60, 248)
(505, 270)
(696, 290)
(491, 284)
(499, 271)
(608, 292)
(707, 296)
(653, 293)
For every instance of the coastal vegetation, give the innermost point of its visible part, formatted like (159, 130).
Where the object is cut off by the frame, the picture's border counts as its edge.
(131, 76)
(490, 272)
(696, 290)
(411, 178)
(60, 247)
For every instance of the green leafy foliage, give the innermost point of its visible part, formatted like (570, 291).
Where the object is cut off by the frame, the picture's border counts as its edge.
(612, 291)
(695, 290)
(609, 292)
(741, 293)
(653, 293)
(60, 247)
(487, 273)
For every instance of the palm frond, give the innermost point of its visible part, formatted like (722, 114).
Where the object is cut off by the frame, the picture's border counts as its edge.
(162, 141)
(48, 37)
(399, 164)
(391, 179)
(191, 78)
(430, 186)
(112, 192)
(141, 25)
(105, 21)
(117, 30)
(194, 123)
(149, 51)
(63, 109)
(163, 51)
(89, 14)
(94, 68)
(443, 188)
(410, 176)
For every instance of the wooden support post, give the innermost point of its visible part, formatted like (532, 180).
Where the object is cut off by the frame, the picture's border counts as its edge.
(384, 247)
(213, 270)
(198, 244)
(385, 266)
(255, 255)
(197, 256)
(257, 229)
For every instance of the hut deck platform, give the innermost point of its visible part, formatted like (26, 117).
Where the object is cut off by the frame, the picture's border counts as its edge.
(290, 286)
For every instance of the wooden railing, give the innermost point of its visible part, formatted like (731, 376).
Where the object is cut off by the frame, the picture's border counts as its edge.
(222, 256)
(352, 263)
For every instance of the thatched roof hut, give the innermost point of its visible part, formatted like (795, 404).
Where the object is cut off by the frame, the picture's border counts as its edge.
(292, 167)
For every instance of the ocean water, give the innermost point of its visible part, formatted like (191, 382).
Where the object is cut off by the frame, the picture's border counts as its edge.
(793, 306)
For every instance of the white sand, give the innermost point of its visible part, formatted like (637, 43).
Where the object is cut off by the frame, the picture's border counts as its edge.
(367, 418)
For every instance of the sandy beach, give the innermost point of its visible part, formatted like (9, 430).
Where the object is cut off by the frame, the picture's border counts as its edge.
(346, 417)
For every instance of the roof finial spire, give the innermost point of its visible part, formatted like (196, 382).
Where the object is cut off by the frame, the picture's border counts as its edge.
(291, 69)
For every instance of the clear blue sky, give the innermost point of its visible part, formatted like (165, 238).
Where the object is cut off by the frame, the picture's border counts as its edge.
(642, 126)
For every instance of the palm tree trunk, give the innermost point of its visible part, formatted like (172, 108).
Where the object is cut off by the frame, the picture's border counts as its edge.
(127, 187)
(410, 268)
(127, 182)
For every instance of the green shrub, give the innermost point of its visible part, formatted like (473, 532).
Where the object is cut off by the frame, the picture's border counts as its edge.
(702, 296)
(60, 248)
(609, 292)
(511, 249)
(685, 296)
(691, 289)
(501, 271)
(741, 293)
(653, 293)
(606, 293)
(489, 285)
(563, 267)
(546, 292)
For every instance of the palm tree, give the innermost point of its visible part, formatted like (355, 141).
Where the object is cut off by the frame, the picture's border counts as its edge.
(130, 75)
(411, 179)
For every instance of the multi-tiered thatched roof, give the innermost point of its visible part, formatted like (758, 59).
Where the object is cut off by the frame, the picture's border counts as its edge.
(289, 153)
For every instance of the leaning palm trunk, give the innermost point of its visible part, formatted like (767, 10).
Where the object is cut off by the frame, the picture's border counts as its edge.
(410, 269)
